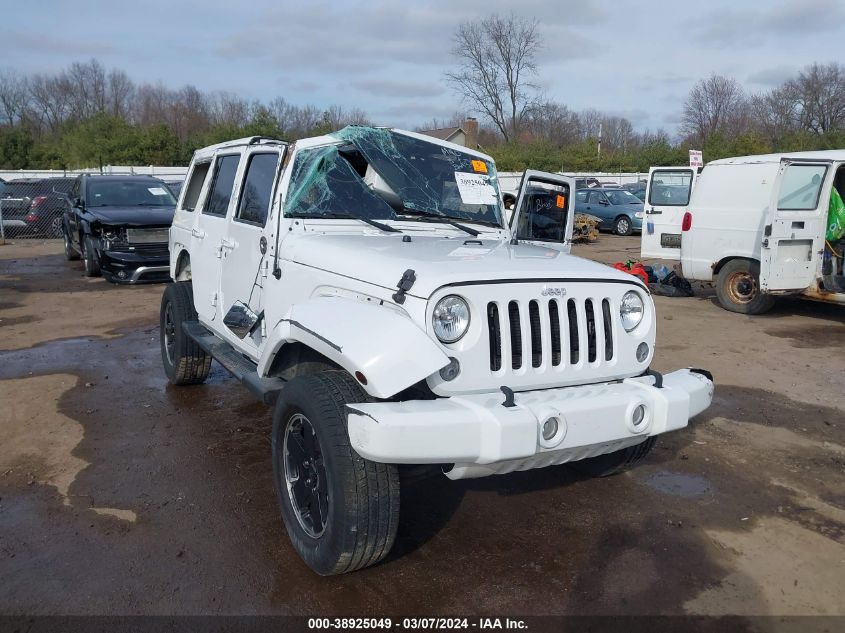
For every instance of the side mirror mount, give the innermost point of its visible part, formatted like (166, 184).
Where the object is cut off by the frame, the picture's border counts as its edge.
(604, 203)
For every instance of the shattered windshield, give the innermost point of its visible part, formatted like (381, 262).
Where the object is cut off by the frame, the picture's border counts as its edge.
(381, 174)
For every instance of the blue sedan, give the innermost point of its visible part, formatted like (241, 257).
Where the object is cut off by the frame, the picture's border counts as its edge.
(619, 211)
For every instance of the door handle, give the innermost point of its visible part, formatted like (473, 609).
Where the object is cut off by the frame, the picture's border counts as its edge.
(224, 243)
(197, 234)
(653, 212)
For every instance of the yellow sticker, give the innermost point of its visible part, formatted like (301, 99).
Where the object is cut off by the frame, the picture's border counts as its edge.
(480, 166)
(561, 202)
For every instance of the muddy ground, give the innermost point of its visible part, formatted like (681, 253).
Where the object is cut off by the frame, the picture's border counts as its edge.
(122, 495)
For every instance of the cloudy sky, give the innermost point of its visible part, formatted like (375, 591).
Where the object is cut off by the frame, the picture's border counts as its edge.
(636, 59)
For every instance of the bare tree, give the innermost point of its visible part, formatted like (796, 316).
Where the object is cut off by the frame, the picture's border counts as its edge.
(553, 122)
(776, 113)
(496, 58)
(14, 96)
(715, 104)
(589, 123)
(120, 91)
(820, 94)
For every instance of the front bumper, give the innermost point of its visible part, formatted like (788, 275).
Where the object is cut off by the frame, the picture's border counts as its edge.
(482, 437)
(130, 267)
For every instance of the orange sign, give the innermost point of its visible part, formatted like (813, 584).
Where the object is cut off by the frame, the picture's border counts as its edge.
(561, 202)
(479, 166)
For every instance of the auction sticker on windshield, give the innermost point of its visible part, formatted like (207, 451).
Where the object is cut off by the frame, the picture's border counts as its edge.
(475, 188)
(157, 191)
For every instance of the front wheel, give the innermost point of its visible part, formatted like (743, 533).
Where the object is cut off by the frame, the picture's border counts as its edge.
(615, 462)
(89, 256)
(341, 510)
(623, 225)
(738, 288)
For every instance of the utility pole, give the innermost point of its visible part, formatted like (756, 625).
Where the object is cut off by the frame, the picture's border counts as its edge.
(599, 154)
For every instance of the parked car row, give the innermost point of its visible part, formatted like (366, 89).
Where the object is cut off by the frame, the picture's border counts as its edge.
(34, 206)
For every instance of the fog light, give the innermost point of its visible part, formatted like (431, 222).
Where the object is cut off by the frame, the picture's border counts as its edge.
(121, 274)
(642, 352)
(639, 415)
(451, 371)
(550, 428)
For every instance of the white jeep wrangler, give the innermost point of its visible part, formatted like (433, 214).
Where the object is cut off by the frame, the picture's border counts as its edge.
(367, 283)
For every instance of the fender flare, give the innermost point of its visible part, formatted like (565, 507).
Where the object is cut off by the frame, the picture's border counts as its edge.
(389, 349)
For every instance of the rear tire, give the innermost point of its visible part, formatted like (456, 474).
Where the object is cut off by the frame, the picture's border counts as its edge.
(71, 253)
(341, 510)
(185, 362)
(616, 462)
(738, 288)
(623, 225)
(89, 255)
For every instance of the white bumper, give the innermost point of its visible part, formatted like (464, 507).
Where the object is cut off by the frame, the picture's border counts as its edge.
(482, 437)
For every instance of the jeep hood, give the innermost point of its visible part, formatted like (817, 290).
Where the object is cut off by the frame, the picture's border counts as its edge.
(130, 216)
(438, 261)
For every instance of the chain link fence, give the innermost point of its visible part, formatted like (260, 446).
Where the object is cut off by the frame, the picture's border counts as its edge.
(33, 207)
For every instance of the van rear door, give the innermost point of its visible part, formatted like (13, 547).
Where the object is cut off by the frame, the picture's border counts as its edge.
(795, 225)
(667, 197)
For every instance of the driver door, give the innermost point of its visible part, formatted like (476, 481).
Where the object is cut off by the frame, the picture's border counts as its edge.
(545, 210)
(667, 197)
(795, 224)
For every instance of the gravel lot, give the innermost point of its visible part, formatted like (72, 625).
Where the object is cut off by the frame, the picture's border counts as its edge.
(121, 495)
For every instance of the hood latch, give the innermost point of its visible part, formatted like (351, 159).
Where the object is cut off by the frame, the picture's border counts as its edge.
(404, 285)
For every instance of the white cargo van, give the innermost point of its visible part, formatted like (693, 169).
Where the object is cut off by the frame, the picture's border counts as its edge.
(754, 225)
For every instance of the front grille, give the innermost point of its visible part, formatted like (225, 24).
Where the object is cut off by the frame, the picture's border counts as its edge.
(147, 250)
(549, 332)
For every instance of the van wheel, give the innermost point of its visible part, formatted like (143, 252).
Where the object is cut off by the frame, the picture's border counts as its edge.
(738, 288)
(185, 363)
(615, 462)
(341, 510)
(89, 256)
(623, 225)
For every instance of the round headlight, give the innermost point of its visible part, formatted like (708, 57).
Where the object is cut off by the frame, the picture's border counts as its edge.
(450, 318)
(631, 310)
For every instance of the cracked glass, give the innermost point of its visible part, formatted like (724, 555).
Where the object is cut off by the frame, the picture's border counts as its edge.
(377, 173)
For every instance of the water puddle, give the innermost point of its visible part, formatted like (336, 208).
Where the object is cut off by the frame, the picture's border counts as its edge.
(678, 484)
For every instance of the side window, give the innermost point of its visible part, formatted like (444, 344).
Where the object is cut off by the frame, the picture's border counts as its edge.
(194, 186)
(800, 187)
(257, 188)
(581, 196)
(670, 188)
(222, 184)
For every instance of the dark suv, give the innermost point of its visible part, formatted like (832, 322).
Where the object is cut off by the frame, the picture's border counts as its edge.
(119, 226)
(34, 206)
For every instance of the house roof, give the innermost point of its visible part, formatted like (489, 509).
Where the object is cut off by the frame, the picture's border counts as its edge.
(443, 133)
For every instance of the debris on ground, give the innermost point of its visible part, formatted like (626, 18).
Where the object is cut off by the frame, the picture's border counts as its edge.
(586, 228)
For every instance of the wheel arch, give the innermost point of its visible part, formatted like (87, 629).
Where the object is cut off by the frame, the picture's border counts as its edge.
(728, 258)
(382, 348)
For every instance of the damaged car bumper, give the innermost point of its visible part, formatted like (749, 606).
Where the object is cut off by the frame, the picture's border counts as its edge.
(481, 436)
(132, 264)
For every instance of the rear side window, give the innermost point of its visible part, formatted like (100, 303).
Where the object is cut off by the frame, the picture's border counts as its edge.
(221, 186)
(801, 187)
(194, 187)
(581, 196)
(670, 188)
(258, 187)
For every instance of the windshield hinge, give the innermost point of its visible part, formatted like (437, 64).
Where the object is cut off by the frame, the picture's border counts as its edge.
(404, 285)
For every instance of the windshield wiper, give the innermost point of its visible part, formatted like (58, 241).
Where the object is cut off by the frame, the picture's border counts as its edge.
(348, 216)
(415, 215)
